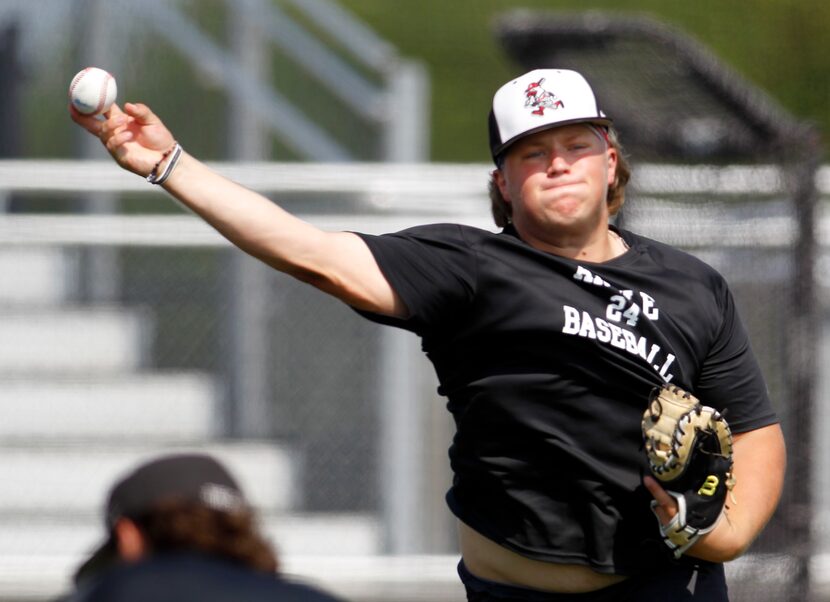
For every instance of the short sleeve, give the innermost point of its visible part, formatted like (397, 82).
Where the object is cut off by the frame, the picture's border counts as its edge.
(432, 269)
(730, 378)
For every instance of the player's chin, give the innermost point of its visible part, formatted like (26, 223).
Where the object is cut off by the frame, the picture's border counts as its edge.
(565, 208)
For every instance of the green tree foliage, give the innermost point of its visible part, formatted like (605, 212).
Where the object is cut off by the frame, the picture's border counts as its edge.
(780, 45)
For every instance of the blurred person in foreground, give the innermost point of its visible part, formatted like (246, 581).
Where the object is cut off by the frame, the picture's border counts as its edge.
(179, 529)
(548, 338)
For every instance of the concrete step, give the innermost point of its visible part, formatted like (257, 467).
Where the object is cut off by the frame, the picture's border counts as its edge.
(72, 340)
(378, 578)
(35, 275)
(66, 480)
(155, 407)
(291, 534)
(38, 558)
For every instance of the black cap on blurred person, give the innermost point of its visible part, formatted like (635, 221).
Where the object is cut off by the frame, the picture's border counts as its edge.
(187, 477)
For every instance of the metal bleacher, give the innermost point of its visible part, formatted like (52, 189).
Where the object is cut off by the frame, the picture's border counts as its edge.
(79, 408)
(81, 397)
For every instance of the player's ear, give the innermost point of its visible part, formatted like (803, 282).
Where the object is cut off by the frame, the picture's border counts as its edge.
(501, 183)
(611, 154)
(131, 543)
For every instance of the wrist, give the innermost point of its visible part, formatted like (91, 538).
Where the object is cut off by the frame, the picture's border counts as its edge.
(723, 544)
(165, 165)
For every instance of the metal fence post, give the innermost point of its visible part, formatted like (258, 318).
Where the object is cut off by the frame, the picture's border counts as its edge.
(99, 268)
(248, 410)
(406, 131)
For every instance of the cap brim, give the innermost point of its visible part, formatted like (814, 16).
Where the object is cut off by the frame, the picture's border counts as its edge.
(499, 150)
(104, 558)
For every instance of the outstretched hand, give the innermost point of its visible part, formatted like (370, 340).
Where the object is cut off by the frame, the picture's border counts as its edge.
(135, 137)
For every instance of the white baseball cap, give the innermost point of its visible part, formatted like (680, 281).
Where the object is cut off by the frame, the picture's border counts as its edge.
(538, 100)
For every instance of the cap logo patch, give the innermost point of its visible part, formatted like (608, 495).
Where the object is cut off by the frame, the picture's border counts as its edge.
(219, 497)
(540, 99)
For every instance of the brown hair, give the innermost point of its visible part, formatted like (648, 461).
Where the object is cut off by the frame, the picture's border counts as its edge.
(178, 525)
(502, 210)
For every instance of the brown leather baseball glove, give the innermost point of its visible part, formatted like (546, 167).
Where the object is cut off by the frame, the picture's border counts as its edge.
(689, 449)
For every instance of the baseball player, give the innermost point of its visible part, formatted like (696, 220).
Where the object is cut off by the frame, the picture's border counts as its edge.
(553, 340)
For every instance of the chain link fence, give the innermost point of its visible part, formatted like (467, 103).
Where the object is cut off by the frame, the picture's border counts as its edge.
(352, 438)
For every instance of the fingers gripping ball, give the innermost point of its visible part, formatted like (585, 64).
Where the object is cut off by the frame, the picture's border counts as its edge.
(92, 91)
(689, 450)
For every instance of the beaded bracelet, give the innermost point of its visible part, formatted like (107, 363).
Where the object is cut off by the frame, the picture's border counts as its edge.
(153, 175)
(175, 153)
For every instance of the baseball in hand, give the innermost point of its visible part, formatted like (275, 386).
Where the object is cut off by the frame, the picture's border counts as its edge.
(92, 91)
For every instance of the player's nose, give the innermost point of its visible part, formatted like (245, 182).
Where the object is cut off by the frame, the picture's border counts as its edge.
(557, 164)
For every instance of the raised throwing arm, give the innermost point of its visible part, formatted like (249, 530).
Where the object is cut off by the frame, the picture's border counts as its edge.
(337, 263)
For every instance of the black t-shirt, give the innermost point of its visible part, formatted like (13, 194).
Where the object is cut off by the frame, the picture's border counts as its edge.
(185, 577)
(547, 364)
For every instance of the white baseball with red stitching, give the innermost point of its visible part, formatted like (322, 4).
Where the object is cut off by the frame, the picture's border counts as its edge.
(92, 91)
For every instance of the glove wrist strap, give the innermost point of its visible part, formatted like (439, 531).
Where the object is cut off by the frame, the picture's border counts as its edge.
(677, 534)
